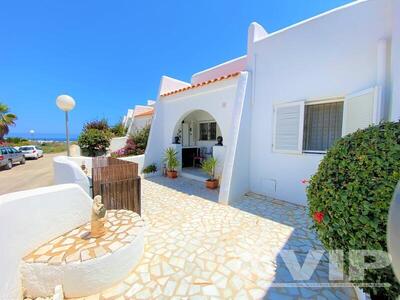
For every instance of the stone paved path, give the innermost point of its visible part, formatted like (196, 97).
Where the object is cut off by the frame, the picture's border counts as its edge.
(199, 249)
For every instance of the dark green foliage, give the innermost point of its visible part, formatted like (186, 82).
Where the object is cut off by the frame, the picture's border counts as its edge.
(139, 139)
(94, 141)
(118, 130)
(150, 169)
(353, 188)
(17, 141)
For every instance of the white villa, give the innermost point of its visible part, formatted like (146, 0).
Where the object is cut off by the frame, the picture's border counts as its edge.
(282, 105)
(139, 117)
(268, 117)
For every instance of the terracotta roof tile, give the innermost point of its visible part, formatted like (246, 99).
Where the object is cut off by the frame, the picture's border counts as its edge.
(144, 112)
(193, 86)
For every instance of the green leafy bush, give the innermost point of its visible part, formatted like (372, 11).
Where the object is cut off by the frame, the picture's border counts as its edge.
(150, 169)
(140, 138)
(94, 141)
(118, 130)
(350, 195)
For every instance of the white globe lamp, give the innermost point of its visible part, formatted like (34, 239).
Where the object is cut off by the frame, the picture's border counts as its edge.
(66, 103)
(32, 132)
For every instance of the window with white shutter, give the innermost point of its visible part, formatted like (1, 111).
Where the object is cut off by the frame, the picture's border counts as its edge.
(361, 110)
(322, 125)
(288, 127)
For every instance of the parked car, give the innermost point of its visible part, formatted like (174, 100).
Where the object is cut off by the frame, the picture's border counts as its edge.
(32, 151)
(9, 156)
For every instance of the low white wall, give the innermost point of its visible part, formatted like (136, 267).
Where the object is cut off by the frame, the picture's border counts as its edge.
(29, 219)
(79, 160)
(117, 143)
(66, 170)
(81, 279)
(219, 155)
(139, 159)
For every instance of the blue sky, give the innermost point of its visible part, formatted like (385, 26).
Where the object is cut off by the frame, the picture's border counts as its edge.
(110, 55)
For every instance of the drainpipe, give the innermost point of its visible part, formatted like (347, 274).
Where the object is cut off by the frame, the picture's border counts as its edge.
(381, 105)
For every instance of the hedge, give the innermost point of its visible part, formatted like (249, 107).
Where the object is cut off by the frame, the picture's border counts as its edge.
(350, 194)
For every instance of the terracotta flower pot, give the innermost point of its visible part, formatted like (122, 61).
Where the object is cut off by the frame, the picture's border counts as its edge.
(172, 174)
(212, 184)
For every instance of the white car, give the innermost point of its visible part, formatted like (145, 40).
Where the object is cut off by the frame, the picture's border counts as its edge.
(31, 151)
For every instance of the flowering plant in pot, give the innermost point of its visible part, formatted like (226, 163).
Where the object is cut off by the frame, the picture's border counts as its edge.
(172, 162)
(208, 166)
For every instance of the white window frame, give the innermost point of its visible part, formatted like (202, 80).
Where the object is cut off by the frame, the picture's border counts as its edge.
(301, 125)
(322, 101)
(207, 122)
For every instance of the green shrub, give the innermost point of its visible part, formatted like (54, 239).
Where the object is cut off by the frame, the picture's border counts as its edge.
(150, 169)
(350, 195)
(118, 130)
(94, 141)
(139, 139)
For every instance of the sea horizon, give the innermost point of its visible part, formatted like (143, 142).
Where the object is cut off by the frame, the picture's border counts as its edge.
(56, 137)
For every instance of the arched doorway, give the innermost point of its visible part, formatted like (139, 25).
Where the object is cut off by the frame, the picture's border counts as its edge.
(197, 133)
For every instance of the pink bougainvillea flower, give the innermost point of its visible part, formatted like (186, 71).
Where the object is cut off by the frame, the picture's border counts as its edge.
(304, 181)
(318, 216)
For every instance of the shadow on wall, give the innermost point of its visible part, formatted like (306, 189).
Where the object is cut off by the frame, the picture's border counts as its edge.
(187, 186)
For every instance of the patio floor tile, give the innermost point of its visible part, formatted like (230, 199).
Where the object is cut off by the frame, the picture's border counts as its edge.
(197, 248)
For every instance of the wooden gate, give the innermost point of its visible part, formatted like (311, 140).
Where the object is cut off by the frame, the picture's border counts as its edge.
(118, 183)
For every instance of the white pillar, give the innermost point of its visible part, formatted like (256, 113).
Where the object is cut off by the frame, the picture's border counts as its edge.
(381, 109)
(395, 62)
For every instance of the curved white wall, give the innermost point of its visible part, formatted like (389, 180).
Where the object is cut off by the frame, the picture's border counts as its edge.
(67, 170)
(30, 218)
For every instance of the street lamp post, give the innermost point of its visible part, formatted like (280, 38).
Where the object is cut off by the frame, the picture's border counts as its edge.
(66, 103)
(32, 132)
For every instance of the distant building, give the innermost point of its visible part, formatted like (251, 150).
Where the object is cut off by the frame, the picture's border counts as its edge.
(139, 117)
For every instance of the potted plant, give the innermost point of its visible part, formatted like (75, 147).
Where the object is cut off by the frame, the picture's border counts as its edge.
(208, 166)
(172, 162)
(149, 171)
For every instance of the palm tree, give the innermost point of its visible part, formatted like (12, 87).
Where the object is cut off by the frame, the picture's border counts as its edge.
(6, 119)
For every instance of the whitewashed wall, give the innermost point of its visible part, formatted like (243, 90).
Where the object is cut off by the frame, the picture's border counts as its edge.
(139, 122)
(117, 143)
(216, 99)
(30, 218)
(332, 55)
(229, 67)
(139, 159)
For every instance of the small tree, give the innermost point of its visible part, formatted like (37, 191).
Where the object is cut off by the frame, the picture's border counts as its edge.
(209, 166)
(94, 141)
(7, 119)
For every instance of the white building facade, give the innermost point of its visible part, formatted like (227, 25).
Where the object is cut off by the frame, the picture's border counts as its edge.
(283, 104)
